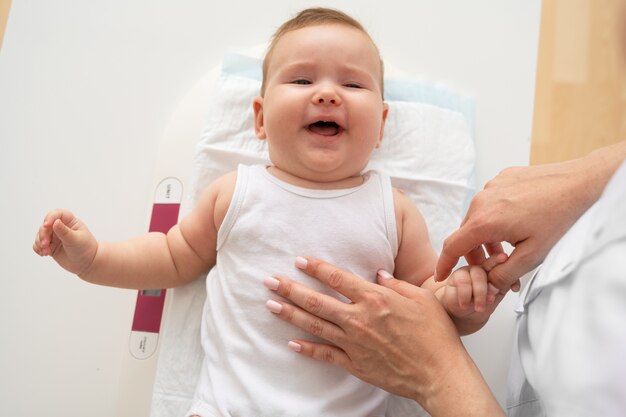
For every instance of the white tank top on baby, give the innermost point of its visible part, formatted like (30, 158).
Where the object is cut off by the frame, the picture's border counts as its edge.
(248, 369)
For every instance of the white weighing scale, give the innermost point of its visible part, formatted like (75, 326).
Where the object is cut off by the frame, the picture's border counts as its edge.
(173, 173)
(144, 335)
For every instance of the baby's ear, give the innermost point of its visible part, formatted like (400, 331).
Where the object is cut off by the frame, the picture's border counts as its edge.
(382, 125)
(259, 127)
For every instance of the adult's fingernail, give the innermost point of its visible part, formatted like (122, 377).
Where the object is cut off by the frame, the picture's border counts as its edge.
(273, 306)
(271, 283)
(384, 274)
(301, 262)
(296, 347)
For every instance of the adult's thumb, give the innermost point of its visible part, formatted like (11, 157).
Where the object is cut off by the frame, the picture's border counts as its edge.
(506, 275)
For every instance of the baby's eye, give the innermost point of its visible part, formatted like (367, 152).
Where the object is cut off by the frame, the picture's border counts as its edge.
(301, 81)
(352, 85)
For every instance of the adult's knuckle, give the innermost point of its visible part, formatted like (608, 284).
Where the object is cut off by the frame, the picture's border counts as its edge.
(285, 289)
(480, 224)
(324, 354)
(288, 313)
(316, 327)
(313, 267)
(329, 356)
(335, 278)
(313, 303)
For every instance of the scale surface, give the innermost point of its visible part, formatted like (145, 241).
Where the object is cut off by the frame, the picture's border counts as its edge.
(144, 335)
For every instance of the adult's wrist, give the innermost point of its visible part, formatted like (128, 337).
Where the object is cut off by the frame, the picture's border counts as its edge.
(458, 389)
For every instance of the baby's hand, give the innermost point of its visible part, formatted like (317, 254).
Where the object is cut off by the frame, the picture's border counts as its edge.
(469, 295)
(67, 240)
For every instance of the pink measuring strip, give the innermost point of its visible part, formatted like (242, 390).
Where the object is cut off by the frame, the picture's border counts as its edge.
(149, 308)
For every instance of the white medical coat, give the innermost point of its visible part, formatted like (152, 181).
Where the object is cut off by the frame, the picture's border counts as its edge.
(570, 357)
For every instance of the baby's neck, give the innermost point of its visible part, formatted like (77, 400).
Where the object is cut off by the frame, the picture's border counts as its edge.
(349, 182)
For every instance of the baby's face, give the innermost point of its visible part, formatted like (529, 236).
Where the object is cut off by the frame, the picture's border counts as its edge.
(322, 112)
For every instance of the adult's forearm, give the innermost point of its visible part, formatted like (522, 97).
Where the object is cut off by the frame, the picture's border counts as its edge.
(600, 165)
(457, 390)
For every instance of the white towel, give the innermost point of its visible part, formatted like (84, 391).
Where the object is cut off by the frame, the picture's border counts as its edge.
(427, 150)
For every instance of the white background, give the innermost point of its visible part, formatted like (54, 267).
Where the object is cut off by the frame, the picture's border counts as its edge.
(86, 90)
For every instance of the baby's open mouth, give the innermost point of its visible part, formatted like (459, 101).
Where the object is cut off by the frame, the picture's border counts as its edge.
(325, 128)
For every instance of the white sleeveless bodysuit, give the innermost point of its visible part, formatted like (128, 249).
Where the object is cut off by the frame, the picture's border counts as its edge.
(248, 370)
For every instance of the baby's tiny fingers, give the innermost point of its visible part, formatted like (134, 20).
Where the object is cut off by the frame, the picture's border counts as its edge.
(462, 282)
(479, 287)
(37, 246)
(42, 241)
(492, 292)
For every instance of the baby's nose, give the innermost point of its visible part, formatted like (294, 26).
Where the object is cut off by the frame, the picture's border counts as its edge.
(327, 95)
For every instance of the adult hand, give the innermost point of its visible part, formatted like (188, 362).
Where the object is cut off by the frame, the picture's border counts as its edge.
(529, 207)
(395, 335)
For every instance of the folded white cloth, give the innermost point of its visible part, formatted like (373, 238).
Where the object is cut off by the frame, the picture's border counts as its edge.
(427, 150)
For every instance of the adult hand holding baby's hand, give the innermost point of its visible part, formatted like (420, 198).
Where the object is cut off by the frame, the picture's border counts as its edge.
(67, 240)
(468, 296)
(529, 207)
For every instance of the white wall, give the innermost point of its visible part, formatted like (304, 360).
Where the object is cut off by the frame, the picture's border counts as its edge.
(86, 89)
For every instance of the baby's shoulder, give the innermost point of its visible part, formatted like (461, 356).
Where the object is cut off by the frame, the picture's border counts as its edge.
(402, 201)
(220, 189)
(223, 188)
(225, 182)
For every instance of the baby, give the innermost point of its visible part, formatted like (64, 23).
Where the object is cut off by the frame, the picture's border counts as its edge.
(322, 112)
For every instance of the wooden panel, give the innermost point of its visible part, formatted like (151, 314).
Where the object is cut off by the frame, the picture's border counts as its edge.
(5, 6)
(580, 95)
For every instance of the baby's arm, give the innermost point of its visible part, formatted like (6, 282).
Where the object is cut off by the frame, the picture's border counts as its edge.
(416, 257)
(153, 260)
(465, 295)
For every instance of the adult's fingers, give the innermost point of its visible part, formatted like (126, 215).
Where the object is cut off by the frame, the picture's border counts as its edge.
(476, 256)
(421, 296)
(468, 242)
(493, 261)
(494, 248)
(403, 288)
(323, 352)
(316, 305)
(506, 275)
(308, 322)
(462, 242)
(344, 282)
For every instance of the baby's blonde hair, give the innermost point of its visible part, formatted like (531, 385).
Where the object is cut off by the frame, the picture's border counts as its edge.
(314, 17)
